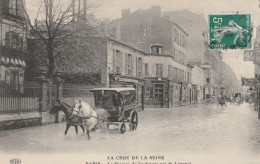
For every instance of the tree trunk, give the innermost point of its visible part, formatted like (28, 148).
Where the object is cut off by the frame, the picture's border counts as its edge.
(51, 61)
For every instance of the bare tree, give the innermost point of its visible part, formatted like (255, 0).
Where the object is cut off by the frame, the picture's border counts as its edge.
(59, 27)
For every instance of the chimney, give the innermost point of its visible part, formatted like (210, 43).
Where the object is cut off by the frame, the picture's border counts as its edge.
(156, 11)
(125, 13)
(73, 8)
(166, 16)
(85, 9)
(50, 10)
(79, 9)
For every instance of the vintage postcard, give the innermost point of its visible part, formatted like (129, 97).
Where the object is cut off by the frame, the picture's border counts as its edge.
(129, 82)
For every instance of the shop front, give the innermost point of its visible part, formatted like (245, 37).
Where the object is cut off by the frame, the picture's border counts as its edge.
(157, 92)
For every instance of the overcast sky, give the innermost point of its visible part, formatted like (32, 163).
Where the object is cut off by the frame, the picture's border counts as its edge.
(112, 9)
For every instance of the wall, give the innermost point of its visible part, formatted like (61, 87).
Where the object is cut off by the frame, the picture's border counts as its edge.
(153, 59)
(197, 77)
(146, 27)
(125, 50)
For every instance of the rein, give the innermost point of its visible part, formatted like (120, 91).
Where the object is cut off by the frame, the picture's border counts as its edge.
(88, 117)
(69, 117)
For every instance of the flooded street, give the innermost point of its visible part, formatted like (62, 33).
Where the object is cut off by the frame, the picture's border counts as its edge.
(192, 129)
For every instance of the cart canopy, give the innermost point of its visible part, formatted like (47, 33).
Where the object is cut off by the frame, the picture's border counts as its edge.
(111, 97)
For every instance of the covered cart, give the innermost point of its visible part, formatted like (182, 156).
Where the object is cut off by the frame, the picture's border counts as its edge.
(121, 105)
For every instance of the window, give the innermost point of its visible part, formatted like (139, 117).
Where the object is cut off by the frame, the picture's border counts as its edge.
(7, 39)
(156, 49)
(146, 71)
(176, 55)
(128, 64)
(158, 91)
(175, 35)
(147, 91)
(159, 70)
(188, 77)
(114, 60)
(19, 10)
(179, 38)
(21, 43)
(170, 71)
(173, 53)
(12, 7)
(182, 75)
(139, 66)
(207, 80)
(16, 41)
(149, 30)
(118, 61)
(12, 40)
(145, 31)
(175, 73)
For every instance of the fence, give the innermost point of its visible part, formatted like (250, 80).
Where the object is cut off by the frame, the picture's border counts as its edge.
(51, 95)
(70, 93)
(25, 97)
(19, 97)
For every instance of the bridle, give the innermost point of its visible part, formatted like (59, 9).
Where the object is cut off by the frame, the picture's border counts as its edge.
(80, 106)
(77, 112)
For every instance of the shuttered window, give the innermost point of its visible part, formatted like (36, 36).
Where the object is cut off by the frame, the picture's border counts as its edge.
(159, 70)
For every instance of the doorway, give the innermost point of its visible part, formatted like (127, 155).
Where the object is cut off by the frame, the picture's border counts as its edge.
(158, 92)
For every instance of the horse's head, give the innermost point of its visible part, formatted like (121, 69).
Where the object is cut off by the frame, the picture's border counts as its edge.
(83, 109)
(57, 107)
(77, 107)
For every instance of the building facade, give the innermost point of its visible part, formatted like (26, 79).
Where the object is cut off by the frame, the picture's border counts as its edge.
(198, 82)
(13, 34)
(165, 45)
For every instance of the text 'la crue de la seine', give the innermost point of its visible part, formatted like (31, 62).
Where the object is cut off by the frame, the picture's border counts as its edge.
(137, 160)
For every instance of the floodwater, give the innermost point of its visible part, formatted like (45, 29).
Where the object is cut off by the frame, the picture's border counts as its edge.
(196, 129)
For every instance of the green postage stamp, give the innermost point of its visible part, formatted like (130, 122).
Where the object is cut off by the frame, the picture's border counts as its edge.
(230, 31)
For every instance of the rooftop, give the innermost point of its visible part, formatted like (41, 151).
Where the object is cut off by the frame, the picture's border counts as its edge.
(113, 89)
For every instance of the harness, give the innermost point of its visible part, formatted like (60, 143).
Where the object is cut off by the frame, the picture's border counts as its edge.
(88, 117)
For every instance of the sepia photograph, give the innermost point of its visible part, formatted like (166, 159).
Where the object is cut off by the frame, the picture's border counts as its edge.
(129, 82)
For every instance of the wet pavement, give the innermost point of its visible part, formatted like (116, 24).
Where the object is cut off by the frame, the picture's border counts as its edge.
(191, 129)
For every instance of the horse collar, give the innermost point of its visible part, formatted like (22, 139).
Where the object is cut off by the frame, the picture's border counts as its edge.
(90, 114)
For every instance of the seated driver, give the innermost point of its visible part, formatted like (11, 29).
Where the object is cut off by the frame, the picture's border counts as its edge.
(118, 102)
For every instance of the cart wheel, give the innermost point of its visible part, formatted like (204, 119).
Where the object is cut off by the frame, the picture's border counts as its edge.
(133, 120)
(122, 127)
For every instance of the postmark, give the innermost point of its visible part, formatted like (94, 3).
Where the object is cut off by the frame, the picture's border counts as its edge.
(230, 31)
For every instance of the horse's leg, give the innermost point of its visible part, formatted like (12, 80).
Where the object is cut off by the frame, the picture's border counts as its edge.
(76, 129)
(83, 129)
(88, 134)
(93, 124)
(67, 128)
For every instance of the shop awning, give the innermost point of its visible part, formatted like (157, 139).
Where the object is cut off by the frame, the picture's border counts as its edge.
(6, 61)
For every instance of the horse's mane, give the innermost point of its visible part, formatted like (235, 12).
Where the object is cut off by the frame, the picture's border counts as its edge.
(68, 107)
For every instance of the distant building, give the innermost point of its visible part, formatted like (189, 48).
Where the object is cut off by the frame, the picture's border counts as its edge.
(194, 24)
(165, 45)
(145, 28)
(256, 52)
(197, 83)
(13, 34)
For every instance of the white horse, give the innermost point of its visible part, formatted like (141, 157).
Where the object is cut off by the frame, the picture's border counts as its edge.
(91, 117)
